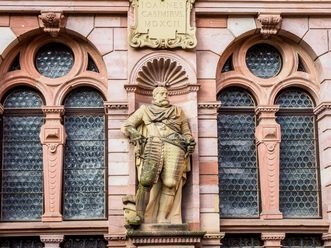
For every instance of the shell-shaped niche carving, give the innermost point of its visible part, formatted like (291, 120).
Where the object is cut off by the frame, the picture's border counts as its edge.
(162, 72)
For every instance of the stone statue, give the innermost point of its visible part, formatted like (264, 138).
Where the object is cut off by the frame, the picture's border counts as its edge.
(163, 145)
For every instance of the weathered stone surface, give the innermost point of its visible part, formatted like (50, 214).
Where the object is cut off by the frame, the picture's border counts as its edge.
(241, 25)
(102, 39)
(7, 37)
(80, 24)
(116, 63)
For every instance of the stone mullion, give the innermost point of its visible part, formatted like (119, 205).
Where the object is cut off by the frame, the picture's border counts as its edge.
(120, 180)
(268, 136)
(323, 114)
(208, 163)
(52, 137)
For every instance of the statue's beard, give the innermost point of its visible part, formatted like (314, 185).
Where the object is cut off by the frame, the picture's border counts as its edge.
(162, 103)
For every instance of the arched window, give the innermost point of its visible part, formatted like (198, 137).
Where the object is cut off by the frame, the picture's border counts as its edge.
(299, 182)
(84, 159)
(238, 174)
(22, 174)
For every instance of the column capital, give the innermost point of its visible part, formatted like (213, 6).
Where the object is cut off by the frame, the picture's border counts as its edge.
(272, 240)
(116, 108)
(51, 241)
(266, 112)
(53, 109)
(208, 108)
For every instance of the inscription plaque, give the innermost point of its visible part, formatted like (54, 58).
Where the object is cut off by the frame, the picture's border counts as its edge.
(162, 24)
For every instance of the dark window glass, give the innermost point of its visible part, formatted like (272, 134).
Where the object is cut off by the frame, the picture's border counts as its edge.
(21, 242)
(238, 175)
(84, 242)
(301, 66)
(302, 241)
(84, 158)
(263, 60)
(54, 60)
(21, 177)
(299, 184)
(15, 65)
(91, 66)
(242, 241)
(228, 66)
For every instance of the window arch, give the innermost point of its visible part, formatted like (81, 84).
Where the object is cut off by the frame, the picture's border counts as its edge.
(299, 182)
(22, 169)
(84, 156)
(238, 174)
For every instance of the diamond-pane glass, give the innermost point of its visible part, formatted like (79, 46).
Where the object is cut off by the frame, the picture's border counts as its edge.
(228, 65)
(299, 186)
(21, 99)
(84, 242)
(18, 242)
(241, 241)
(263, 60)
(84, 98)
(302, 241)
(294, 98)
(54, 60)
(84, 165)
(238, 176)
(21, 177)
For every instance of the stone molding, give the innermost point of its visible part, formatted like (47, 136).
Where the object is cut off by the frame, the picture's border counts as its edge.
(321, 109)
(269, 24)
(172, 92)
(272, 236)
(116, 105)
(1, 109)
(209, 105)
(217, 236)
(52, 22)
(115, 237)
(53, 109)
(51, 238)
(268, 109)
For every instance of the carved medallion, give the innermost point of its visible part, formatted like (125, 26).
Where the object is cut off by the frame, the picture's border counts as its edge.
(162, 24)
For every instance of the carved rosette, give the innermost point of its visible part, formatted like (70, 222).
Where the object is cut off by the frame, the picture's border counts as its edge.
(164, 70)
(52, 22)
(269, 24)
(185, 39)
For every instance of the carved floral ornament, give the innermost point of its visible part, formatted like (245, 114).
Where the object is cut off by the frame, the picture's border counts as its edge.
(162, 24)
(162, 70)
(52, 22)
(269, 24)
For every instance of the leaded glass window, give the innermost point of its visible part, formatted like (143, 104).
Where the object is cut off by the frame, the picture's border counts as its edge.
(263, 60)
(15, 65)
(21, 242)
(299, 182)
(91, 66)
(242, 241)
(84, 157)
(84, 242)
(21, 175)
(228, 66)
(238, 174)
(302, 241)
(54, 60)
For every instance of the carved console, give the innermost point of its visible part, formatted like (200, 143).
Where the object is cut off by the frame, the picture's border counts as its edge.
(52, 137)
(269, 24)
(268, 145)
(52, 22)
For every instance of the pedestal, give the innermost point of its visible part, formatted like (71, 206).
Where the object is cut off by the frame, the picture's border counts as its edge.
(165, 236)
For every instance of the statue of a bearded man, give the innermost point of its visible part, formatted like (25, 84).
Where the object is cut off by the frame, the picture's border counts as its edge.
(164, 143)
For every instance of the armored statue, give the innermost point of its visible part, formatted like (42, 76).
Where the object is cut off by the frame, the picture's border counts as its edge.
(163, 145)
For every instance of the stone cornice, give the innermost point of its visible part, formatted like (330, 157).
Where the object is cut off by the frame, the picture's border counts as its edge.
(172, 92)
(272, 236)
(51, 238)
(266, 109)
(115, 237)
(53, 109)
(116, 105)
(217, 236)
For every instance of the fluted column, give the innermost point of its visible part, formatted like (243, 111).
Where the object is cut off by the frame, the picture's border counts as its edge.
(268, 146)
(51, 241)
(52, 137)
(272, 240)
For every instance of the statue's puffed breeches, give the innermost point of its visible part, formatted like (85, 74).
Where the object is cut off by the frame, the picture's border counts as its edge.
(162, 158)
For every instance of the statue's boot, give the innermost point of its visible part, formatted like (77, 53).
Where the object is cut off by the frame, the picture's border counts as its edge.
(142, 198)
(166, 202)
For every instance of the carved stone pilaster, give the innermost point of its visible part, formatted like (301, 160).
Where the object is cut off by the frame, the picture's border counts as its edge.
(52, 137)
(52, 22)
(272, 240)
(52, 241)
(268, 146)
(116, 240)
(269, 24)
